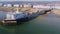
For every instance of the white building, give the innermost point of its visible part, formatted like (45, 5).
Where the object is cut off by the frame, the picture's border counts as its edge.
(5, 5)
(21, 5)
(16, 5)
(9, 5)
(40, 6)
(27, 5)
(57, 7)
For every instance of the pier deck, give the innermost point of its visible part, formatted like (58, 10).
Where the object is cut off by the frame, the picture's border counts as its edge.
(19, 8)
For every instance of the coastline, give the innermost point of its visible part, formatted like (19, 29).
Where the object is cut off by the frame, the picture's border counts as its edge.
(56, 11)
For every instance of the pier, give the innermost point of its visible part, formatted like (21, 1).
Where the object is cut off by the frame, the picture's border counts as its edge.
(48, 22)
(24, 8)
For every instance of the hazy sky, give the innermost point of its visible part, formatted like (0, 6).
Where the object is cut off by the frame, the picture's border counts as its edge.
(29, 0)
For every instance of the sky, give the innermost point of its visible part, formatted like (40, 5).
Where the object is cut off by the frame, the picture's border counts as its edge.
(29, 0)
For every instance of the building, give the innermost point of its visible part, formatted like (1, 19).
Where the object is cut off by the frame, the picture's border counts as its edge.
(27, 6)
(40, 6)
(16, 5)
(20, 5)
(9, 5)
(5, 5)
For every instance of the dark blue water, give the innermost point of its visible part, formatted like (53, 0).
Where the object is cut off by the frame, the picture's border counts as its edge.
(44, 24)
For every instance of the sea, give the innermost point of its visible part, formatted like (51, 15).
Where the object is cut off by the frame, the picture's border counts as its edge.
(43, 24)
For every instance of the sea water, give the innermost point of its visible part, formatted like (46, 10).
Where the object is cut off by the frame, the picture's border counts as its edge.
(44, 24)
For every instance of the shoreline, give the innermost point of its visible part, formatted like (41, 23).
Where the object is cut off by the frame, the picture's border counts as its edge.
(56, 11)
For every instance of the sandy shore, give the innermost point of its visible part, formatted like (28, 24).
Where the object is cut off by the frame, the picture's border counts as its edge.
(20, 8)
(56, 11)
